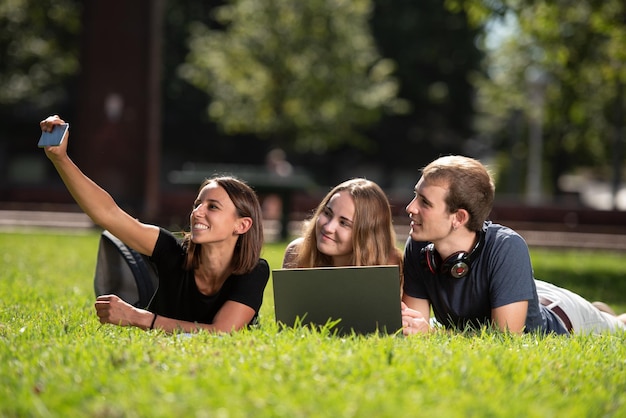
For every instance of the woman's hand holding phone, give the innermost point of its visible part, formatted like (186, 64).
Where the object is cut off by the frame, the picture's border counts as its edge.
(54, 135)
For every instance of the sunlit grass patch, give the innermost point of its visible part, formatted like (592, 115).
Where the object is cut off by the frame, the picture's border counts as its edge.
(57, 360)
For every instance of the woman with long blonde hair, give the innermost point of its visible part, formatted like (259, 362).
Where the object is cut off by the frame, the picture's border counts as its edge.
(352, 226)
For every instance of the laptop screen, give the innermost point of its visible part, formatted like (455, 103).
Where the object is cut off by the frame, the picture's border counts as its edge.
(364, 299)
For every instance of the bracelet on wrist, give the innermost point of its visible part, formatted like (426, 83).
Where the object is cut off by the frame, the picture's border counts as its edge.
(153, 321)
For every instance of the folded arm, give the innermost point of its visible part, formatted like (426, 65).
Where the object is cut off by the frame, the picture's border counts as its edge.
(511, 317)
(233, 316)
(415, 315)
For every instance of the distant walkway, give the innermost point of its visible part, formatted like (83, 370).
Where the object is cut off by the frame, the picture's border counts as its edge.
(586, 240)
(564, 240)
(16, 220)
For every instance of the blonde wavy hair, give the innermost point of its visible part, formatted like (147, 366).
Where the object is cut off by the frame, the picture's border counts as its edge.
(373, 234)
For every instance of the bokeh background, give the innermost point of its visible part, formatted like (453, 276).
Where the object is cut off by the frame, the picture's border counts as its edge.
(295, 97)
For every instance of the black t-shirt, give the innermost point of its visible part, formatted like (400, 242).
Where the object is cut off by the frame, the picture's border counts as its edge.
(178, 296)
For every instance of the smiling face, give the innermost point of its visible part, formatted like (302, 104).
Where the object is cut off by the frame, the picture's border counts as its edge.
(214, 216)
(333, 228)
(428, 211)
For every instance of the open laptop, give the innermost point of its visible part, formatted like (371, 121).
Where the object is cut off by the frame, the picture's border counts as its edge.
(365, 299)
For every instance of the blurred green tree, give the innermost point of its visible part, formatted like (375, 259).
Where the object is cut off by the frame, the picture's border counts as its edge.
(39, 43)
(305, 74)
(581, 49)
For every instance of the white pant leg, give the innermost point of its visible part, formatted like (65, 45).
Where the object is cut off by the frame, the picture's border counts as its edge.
(585, 317)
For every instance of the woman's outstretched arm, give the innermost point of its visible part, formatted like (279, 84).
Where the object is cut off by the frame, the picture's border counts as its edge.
(96, 202)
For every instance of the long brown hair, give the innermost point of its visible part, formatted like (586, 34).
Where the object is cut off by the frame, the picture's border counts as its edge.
(248, 247)
(373, 234)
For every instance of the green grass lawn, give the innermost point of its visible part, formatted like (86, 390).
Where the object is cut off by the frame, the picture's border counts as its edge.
(56, 360)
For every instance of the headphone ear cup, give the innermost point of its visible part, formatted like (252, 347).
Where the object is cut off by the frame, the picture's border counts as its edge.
(457, 265)
(428, 258)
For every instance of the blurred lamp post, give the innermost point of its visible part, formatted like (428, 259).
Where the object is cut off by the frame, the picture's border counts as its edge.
(537, 81)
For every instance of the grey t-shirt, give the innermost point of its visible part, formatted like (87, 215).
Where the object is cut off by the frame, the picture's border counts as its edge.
(500, 274)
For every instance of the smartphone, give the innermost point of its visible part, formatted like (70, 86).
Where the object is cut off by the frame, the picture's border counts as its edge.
(55, 137)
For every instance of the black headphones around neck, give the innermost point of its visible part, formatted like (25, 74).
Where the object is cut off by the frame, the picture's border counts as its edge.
(457, 265)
